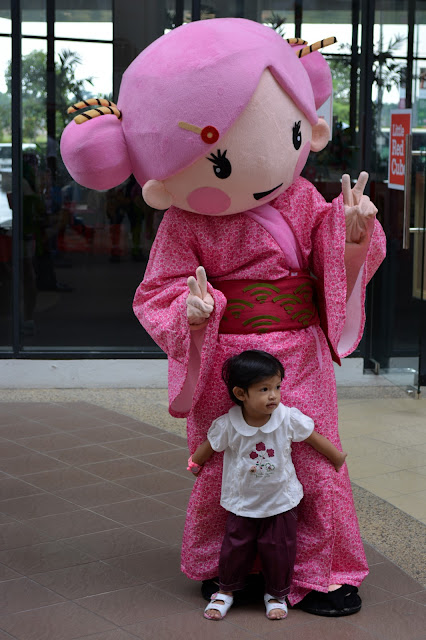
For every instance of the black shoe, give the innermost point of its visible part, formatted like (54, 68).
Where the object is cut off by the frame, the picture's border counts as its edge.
(342, 602)
(252, 592)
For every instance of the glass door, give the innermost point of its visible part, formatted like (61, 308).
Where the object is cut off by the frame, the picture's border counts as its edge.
(397, 333)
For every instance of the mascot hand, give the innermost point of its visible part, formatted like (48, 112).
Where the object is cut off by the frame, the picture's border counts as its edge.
(359, 210)
(199, 303)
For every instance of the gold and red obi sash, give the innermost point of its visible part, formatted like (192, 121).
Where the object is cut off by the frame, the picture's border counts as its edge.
(257, 306)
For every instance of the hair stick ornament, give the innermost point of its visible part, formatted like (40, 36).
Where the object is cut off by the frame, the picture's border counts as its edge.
(208, 134)
(315, 46)
(296, 41)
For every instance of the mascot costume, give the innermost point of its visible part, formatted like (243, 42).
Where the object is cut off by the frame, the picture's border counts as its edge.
(216, 120)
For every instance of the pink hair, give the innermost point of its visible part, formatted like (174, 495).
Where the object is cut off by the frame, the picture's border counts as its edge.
(203, 73)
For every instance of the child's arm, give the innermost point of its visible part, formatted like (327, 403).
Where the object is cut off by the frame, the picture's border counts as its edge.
(202, 453)
(324, 446)
(199, 457)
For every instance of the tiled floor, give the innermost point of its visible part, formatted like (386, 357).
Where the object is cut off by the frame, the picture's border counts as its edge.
(92, 506)
(386, 442)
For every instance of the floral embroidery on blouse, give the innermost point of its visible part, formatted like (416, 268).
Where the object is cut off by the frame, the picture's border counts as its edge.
(263, 466)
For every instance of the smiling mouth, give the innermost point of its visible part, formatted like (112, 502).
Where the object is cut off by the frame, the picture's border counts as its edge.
(263, 194)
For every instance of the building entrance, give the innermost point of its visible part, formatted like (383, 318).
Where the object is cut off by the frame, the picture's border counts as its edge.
(396, 332)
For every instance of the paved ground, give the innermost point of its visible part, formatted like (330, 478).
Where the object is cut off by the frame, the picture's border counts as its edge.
(92, 504)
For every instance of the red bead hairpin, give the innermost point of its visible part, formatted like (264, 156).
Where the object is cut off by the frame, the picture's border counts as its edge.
(208, 134)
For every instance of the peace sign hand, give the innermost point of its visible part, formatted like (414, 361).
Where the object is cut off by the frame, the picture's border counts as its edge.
(199, 303)
(359, 209)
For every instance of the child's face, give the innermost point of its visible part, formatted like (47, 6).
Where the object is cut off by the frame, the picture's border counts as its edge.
(261, 399)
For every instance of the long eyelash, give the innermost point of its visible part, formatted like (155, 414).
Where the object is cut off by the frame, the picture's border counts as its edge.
(220, 155)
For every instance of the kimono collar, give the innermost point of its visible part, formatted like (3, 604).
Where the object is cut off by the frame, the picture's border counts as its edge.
(271, 220)
(241, 426)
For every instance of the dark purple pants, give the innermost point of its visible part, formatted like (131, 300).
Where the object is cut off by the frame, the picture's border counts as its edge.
(273, 538)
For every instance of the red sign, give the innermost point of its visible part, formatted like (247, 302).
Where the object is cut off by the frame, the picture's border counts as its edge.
(400, 127)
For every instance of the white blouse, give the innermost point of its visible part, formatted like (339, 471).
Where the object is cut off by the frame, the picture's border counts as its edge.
(258, 477)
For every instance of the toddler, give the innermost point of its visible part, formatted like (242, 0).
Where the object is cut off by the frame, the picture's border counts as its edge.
(260, 489)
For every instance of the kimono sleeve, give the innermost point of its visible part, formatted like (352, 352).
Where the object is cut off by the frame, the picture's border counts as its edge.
(218, 434)
(301, 426)
(160, 300)
(342, 276)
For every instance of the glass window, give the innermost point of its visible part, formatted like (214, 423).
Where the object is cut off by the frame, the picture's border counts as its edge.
(84, 20)
(5, 21)
(340, 155)
(83, 252)
(91, 67)
(5, 197)
(419, 71)
(389, 74)
(34, 18)
(319, 22)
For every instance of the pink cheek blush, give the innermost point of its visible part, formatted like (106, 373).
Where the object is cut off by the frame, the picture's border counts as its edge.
(301, 161)
(208, 200)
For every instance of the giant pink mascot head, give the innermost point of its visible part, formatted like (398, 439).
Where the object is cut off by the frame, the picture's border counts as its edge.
(216, 117)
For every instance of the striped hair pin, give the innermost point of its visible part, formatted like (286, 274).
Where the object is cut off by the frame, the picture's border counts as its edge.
(311, 47)
(105, 107)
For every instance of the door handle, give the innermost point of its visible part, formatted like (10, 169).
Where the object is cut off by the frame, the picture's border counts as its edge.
(407, 191)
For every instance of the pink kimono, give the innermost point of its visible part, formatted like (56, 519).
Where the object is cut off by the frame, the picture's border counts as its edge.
(308, 233)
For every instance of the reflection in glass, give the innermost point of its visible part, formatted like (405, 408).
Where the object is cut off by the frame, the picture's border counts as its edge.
(341, 154)
(83, 253)
(91, 73)
(389, 79)
(91, 19)
(419, 98)
(5, 210)
(90, 252)
(34, 18)
(5, 22)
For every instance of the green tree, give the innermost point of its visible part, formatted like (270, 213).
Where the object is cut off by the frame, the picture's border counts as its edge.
(340, 68)
(276, 21)
(68, 90)
(33, 93)
(5, 117)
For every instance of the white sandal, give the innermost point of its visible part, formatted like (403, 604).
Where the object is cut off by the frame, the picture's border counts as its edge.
(222, 608)
(281, 604)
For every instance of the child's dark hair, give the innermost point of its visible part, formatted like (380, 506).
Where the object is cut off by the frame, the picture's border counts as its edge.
(249, 367)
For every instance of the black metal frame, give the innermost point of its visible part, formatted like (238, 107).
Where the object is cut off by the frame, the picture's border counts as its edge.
(93, 354)
(366, 83)
(16, 174)
(196, 10)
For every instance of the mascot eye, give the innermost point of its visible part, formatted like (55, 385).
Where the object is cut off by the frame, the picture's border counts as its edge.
(222, 167)
(297, 136)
